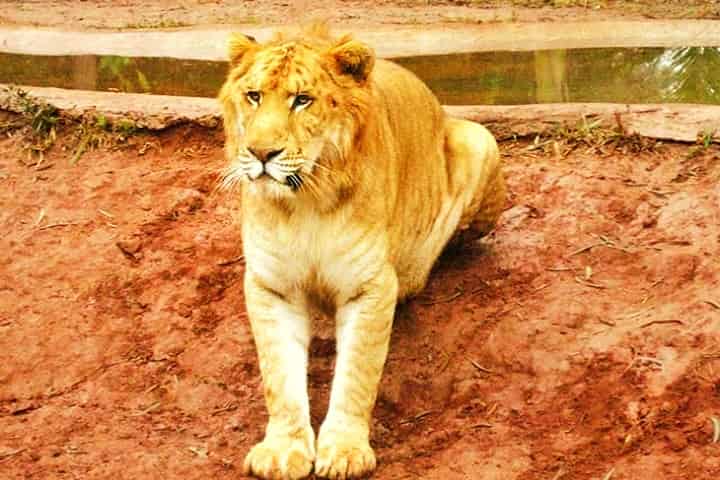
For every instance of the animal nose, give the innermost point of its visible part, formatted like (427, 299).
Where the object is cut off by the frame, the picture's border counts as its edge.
(265, 154)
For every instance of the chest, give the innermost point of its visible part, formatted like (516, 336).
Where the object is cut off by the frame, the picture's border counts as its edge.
(308, 254)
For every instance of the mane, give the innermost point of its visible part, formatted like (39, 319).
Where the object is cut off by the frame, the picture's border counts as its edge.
(316, 35)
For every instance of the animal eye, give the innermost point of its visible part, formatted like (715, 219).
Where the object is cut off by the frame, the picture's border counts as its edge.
(253, 97)
(301, 100)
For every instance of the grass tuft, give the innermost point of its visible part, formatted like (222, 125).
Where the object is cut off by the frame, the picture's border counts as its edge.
(38, 119)
(37, 123)
(592, 136)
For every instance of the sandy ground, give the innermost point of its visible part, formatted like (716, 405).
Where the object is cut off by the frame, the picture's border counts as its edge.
(134, 14)
(581, 337)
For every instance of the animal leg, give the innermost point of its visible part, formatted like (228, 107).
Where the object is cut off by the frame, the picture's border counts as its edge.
(475, 172)
(363, 335)
(282, 335)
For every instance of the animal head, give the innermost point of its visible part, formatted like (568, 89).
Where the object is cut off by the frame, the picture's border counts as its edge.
(292, 110)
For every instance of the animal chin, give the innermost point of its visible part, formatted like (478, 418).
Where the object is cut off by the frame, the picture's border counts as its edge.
(274, 185)
(266, 186)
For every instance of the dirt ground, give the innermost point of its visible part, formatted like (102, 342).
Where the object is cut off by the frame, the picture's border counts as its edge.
(132, 14)
(580, 339)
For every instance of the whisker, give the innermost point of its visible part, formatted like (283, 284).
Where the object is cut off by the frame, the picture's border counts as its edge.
(229, 178)
(310, 186)
(323, 167)
(315, 185)
(294, 181)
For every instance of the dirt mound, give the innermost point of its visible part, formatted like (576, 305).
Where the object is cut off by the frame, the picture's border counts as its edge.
(580, 338)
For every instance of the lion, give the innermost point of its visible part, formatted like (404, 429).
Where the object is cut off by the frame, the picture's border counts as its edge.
(352, 181)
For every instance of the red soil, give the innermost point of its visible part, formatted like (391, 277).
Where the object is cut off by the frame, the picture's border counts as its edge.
(125, 351)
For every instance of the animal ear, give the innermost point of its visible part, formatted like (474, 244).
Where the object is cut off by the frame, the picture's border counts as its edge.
(353, 58)
(238, 45)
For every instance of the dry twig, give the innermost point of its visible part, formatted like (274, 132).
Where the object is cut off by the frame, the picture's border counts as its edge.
(588, 283)
(146, 410)
(584, 249)
(482, 425)
(225, 263)
(716, 429)
(661, 322)
(59, 224)
(416, 418)
(10, 453)
(447, 299)
(480, 367)
(713, 304)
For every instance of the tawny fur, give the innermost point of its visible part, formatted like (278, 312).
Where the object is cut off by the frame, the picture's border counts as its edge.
(387, 180)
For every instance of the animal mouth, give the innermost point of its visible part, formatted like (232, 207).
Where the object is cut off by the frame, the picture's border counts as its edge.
(294, 181)
(287, 174)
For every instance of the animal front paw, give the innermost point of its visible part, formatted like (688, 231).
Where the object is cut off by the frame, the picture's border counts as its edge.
(343, 455)
(280, 458)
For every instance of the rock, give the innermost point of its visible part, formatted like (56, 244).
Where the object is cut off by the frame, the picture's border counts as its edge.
(678, 440)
